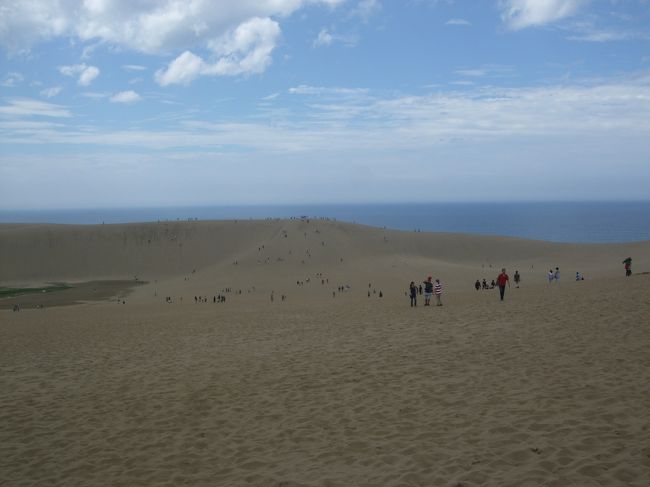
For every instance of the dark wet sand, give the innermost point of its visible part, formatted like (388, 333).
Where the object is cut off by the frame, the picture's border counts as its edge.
(75, 294)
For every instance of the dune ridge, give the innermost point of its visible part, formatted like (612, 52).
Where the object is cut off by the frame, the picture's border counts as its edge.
(166, 249)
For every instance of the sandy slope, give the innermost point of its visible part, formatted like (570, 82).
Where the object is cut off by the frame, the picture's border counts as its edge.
(547, 388)
(203, 257)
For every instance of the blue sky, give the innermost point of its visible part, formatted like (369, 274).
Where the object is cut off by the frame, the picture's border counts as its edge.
(118, 103)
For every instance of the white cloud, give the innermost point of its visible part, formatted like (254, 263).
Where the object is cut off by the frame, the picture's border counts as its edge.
(352, 119)
(51, 92)
(86, 73)
(182, 70)
(458, 22)
(244, 50)
(587, 32)
(241, 35)
(322, 90)
(129, 96)
(24, 23)
(12, 79)
(324, 38)
(133, 67)
(366, 8)
(487, 70)
(474, 73)
(26, 107)
(519, 14)
(89, 50)
(93, 95)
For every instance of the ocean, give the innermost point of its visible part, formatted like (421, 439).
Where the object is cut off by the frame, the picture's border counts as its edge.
(583, 222)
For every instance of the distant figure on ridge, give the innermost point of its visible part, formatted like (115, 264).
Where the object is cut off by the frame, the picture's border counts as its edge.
(502, 280)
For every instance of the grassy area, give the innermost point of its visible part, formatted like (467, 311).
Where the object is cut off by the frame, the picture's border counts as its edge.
(8, 292)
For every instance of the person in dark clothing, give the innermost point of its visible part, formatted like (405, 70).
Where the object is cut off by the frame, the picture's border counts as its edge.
(413, 293)
(477, 285)
(517, 278)
(428, 291)
(628, 266)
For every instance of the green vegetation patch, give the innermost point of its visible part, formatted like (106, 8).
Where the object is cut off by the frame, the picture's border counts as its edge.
(8, 292)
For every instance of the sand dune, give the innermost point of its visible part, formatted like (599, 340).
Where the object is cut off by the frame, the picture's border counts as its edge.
(268, 249)
(548, 387)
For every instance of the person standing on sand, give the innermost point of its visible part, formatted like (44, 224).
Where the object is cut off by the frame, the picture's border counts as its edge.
(628, 266)
(413, 290)
(437, 290)
(517, 278)
(428, 291)
(551, 276)
(501, 281)
(477, 285)
(557, 274)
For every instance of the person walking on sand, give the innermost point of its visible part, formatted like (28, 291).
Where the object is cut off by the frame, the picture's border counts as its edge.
(551, 276)
(437, 290)
(477, 285)
(502, 280)
(556, 276)
(517, 278)
(428, 291)
(413, 292)
(628, 266)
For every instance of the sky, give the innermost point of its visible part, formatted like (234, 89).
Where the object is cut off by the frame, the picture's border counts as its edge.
(136, 103)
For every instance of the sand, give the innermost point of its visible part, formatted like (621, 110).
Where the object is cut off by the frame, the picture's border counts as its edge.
(548, 387)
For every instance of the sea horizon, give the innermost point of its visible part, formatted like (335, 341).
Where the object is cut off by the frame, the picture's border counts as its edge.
(557, 221)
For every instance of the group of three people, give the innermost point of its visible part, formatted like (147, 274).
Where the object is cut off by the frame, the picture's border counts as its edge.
(430, 289)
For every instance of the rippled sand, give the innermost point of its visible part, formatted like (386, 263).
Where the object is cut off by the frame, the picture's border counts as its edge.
(548, 387)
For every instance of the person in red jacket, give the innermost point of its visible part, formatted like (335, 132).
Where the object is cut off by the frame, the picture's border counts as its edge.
(502, 280)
